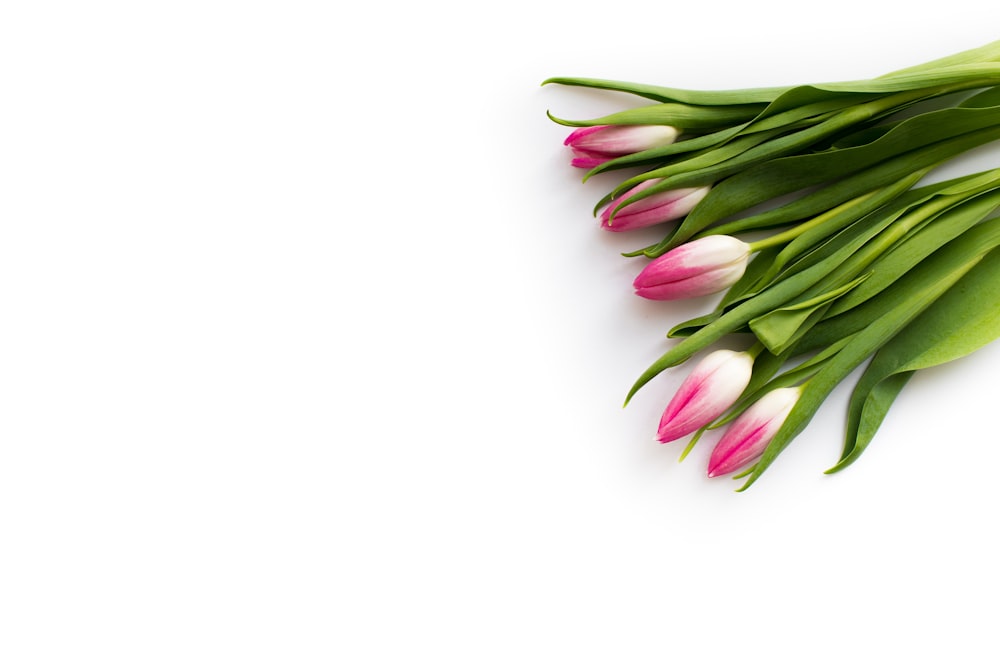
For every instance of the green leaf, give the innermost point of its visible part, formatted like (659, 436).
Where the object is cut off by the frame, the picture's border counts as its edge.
(667, 94)
(936, 72)
(754, 154)
(916, 143)
(963, 320)
(663, 154)
(909, 252)
(739, 291)
(771, 298)
(684, 116)
(773, 125)
(903, 233)
(758, 267)
(688, 327)
(778, 328)
(938, 273)
(844, 224)
(848, 253)
(809, 235)
(987, 98)
(986, 53)
(769, 379)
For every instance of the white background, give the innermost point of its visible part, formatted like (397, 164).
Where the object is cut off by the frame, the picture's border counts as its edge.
(311, 354)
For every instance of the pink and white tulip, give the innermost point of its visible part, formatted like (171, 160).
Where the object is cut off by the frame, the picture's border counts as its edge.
(596, 145)
(653, 210)
(709, 390)
(700, 267)
(748, 436)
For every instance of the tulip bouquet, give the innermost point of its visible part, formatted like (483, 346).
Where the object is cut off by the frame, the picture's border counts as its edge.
(812, 211)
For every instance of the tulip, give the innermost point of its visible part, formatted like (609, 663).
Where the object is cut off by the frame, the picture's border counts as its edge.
(596, 145)
(748, 436)
(697, 268)
(712, 387)
(653, 210)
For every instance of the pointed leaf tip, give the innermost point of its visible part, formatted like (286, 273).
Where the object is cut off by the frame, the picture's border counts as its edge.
(631, 393)
(556, 119)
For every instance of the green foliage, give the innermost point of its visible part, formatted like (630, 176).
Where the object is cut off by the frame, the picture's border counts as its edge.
(861, 260)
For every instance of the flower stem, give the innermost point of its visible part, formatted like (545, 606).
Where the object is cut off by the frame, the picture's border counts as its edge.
(793, 232)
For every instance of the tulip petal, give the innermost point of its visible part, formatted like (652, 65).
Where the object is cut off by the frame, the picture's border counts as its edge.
(748, 436)
(588, 162)
(698, 285)
(694, 269)
(621, 139)
(653, 210)
(709, 390)
(580, 134)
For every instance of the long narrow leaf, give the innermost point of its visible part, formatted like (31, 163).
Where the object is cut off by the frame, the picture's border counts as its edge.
(963, 320)
(925, 140)
(940, 272)
(686, 116)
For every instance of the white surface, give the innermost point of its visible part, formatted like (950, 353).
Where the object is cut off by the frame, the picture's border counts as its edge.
(312, 355)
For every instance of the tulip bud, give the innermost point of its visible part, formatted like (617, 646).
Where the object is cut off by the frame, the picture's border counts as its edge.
(653, 210)
(748, 436)
(712, 387)
(596, 145)
(699, 267)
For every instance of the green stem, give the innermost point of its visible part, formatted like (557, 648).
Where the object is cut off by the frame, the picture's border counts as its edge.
(792, 233)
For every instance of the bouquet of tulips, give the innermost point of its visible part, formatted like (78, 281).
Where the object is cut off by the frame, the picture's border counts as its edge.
(812, 211)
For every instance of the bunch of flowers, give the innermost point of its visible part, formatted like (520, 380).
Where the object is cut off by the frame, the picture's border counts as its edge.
(812, 211)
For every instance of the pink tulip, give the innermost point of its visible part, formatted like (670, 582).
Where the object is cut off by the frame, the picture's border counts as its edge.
(653, 210)
(712, 387)
(596, 145)
(699, 267)
(748, 436)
